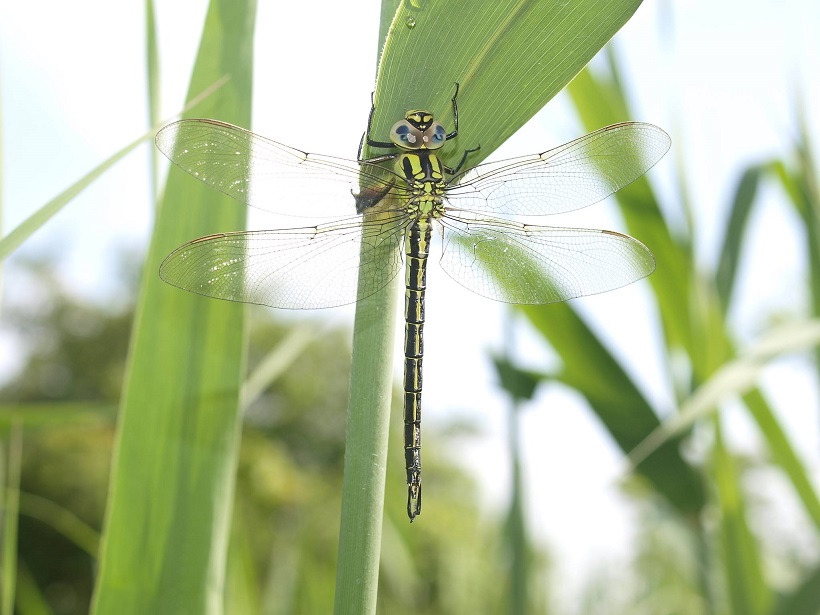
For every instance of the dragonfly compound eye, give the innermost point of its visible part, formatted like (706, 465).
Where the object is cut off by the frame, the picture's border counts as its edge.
(406, 136)
(435, 136)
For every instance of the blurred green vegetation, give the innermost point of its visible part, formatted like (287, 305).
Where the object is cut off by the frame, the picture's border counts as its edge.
(288, 479)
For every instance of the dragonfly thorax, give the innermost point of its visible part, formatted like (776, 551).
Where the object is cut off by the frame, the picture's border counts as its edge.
(425, 179)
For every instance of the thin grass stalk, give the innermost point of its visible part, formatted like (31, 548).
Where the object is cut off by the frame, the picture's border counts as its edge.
(10, 516)
(516, 525)
(10, 499)
(1, 189)
(520, 387)
(153, 81)
(366, 437)
(9, 243)
(368, 418)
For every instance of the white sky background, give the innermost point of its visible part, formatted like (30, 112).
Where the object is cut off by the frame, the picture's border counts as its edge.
(721, 78)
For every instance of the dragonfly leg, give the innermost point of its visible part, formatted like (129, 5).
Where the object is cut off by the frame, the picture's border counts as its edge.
(454, 134)
(461, 162)
(366, 136)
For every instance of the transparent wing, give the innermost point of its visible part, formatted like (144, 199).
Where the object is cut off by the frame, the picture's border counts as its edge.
(569, 177)
(300, 268)
(520, 263)
(272, 176)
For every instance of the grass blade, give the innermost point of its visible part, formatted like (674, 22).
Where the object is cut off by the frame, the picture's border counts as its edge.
(11, 507)
(152, 73)
(168, 517)
(276, 362)
(802, 185)
(599, 103)
(744, 199)
(748, 592)
(61, 520)
(30, 600)
(733, 378)
(25, 229)
(783, 453)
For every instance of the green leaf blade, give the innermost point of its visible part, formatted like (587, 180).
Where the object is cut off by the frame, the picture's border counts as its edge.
(168, 516)
(510, 58)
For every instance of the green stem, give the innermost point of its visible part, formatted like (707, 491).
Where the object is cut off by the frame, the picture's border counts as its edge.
(12, 499)
(368, 418)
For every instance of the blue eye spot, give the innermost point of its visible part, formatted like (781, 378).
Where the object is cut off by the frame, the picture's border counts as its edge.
(402, 132)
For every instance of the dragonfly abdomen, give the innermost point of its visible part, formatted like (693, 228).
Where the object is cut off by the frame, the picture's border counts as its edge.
(417, 248)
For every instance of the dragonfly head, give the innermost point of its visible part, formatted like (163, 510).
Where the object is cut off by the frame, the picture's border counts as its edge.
(418, 130)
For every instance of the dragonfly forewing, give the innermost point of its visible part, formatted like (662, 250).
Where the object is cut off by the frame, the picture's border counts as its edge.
(273, 176)
(567, 178)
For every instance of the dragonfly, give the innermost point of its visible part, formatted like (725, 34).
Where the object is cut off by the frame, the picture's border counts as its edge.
(384, 210)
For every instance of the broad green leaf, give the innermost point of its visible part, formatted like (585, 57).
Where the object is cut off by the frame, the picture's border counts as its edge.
(510, 57)
(748, 592)
(168, 517)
